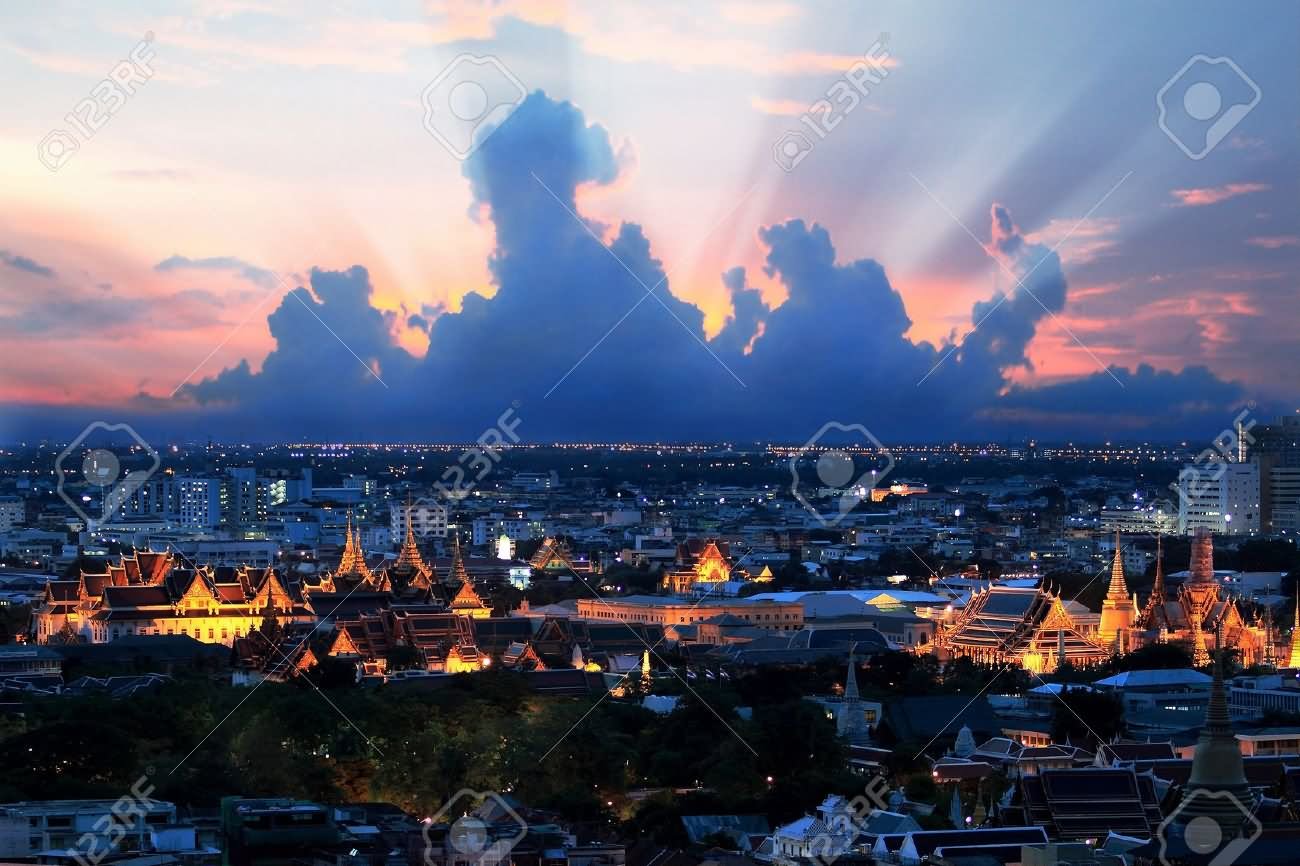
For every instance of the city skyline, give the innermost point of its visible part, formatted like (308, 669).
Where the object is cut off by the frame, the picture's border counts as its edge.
(926, 290)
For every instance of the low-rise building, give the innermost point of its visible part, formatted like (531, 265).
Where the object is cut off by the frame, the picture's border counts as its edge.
(668, 611)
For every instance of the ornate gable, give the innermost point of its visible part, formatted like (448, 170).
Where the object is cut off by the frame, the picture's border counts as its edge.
(198, 596)
(272, 594)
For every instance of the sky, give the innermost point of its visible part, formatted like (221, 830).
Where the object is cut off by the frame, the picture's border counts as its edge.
(679, 221)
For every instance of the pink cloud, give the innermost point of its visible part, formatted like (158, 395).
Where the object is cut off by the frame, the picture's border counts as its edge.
(1206, 195)
(1274, 242)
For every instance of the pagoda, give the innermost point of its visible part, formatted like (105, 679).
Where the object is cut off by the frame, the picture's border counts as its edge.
(352, 563)
(1119, 610)
(1202, 610)
(1154, 616)
(410, 571)
(467, 601)
(1199, 594)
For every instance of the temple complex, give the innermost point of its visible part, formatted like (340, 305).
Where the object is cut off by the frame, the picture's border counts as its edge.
(1036, 629)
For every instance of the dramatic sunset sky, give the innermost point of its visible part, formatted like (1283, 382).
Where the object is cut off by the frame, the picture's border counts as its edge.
(265, 242)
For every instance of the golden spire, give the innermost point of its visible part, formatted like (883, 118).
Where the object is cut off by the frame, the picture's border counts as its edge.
(1118, 610)
(353, 559)
(348, 559)
(1217, 788)
(458, 572)
(1118, 585)
(1155, 607)
(409, 558)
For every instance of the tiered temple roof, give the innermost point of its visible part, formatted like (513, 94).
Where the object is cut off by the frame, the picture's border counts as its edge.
(699, 561)
(352, 567)
(1029, 626)
(467, 601)
(554, 555)
(410, 569)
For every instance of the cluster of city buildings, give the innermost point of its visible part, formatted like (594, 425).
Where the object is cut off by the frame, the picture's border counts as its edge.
(280, 576)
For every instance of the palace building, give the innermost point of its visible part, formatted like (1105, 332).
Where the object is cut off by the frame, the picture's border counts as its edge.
(149, 593)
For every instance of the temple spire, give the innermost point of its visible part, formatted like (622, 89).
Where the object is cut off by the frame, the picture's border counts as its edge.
(458, 572)
(1217, 788)
(851, 678)
(1153, 615)
(1118, 610)
(1118, 584)
(851, 722)
(347, 561)
(409, 559)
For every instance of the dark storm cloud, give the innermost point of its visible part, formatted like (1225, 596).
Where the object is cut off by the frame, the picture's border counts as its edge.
(334, 366)
(747, 313)
(586, 344)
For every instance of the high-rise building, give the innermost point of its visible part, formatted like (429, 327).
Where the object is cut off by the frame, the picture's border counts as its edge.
(201, 501)
(155, 497)
(1279, 441)
(1221, 497)
(1279, 506)
(428, 519)
(1276, 448)
(13, 512)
